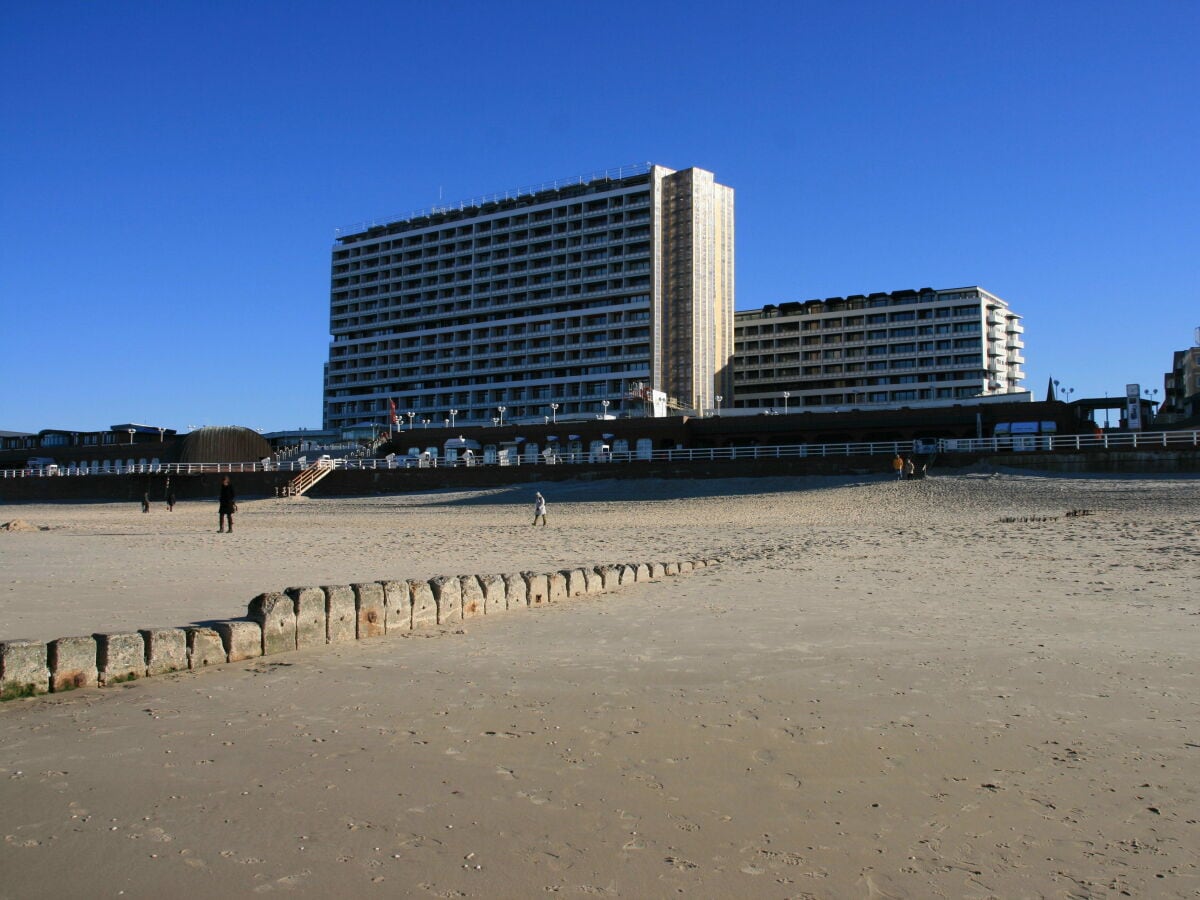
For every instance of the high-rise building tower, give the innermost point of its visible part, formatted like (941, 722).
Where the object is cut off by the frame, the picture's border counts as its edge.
(569, 293)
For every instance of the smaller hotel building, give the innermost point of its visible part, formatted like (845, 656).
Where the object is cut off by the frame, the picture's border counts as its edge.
(881, 349)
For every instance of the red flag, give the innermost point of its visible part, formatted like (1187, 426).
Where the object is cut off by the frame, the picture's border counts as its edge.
(395, 418)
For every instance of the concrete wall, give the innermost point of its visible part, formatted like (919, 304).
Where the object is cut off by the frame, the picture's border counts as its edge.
(301, 617)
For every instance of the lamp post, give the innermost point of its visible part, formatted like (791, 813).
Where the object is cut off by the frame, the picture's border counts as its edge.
(786, 394)
(495, 421)
(554, 413)
(410, 415)
(446, 422)
(425, 422)
(501, 409)
(453, 414)
(718, 398)
(161, 431)
(131, 431)
(604, 403)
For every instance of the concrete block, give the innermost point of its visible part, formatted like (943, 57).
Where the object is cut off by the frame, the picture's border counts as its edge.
(516, 591)
(120, 656)
(495, 594)
(275, 614)
(558, 587)
(312, 629)
(424, 607)
(471, 593)
(641, 572)
(712, 562)
(539, 588)
(340, 621)
(576, 582)
(241, 638)
(447, 594)
(609, 577)
(698, 564)
(685, 567)
(657, 570)
(72, 663)
(369, 611)
(166, 650)
(627, 574)
(397, 601)
(24, 667)
(205, 648)
(671, 568)
(594, 582)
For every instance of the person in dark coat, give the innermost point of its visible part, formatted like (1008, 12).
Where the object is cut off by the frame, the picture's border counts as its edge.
(228, 505)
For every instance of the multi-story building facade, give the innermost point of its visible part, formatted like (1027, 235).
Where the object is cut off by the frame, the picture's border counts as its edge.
(553, 299)
(1181, 386)
(879, 349)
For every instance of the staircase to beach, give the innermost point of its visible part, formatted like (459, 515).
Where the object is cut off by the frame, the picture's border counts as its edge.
(306, 479)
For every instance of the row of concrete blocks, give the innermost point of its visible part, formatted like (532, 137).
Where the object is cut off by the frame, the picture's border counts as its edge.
(302, 617)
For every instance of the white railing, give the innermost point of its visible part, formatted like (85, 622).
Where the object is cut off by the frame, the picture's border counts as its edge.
(1066, 443)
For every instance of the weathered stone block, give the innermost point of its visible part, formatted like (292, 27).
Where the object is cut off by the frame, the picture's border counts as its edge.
(339, 613)
(609, 577)
(557, 583)
(241, 638)
(24, 666)
(641, 572)
(275, 614)
(698, 564)
(593, 581)
(627, 575)
(312, 629)
(369, 610)
(576, 582)
(516, 591)
(657, 570)
(495, 595)
(447, 593)
(539, 588)
(471, 594)
(120, 656)
(424, 607)
(166, 650)
(671, 568)
(397, 601)
(72, 663)
(685, 567)
(205, 648)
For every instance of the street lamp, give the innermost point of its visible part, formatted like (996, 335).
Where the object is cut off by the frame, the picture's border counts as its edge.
(501, 409)
(131, 431)
(425, 422)
(160, 434)
(453, 414)
(446, 422)
(719, 398)
(410, 415)
(786, 394)
(554, 413)
(604, 403)
(495, 421)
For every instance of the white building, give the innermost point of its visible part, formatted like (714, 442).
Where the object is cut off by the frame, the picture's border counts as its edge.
(548, 300)
(906, 347)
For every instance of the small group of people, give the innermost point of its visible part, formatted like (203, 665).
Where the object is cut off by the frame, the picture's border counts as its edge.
(906, 469)
(170, 501)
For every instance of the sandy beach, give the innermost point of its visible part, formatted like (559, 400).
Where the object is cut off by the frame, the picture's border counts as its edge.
(943, 688)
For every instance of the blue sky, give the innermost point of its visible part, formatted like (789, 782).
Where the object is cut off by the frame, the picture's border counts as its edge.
(173, 172)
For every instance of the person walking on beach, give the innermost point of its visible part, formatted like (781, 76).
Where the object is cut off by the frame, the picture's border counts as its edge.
(170, 500)
(898, 467)
(146, 502)
(909, 469)
(228, 505)
(539, 509)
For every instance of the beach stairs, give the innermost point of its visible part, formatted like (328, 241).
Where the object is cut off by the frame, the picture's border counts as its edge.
(306, 478)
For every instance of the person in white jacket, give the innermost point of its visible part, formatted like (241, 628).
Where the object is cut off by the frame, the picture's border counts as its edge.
(539, 509)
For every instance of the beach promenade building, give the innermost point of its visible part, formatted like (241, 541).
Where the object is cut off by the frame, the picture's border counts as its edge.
(886, 350)
(549, 301)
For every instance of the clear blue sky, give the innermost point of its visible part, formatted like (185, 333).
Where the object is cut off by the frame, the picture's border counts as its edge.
(173, 172)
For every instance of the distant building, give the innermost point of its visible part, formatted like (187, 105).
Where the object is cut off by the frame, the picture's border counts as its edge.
(1181, 386)
(884, 350)
(551, 301)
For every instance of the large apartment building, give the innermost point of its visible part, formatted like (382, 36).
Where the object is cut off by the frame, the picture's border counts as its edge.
(548, 300)
(881, 349)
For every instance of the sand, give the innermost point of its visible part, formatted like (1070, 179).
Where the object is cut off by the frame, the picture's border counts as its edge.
(884, 690)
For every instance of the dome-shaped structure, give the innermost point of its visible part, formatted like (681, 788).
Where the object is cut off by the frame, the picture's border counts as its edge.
(223, 444)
